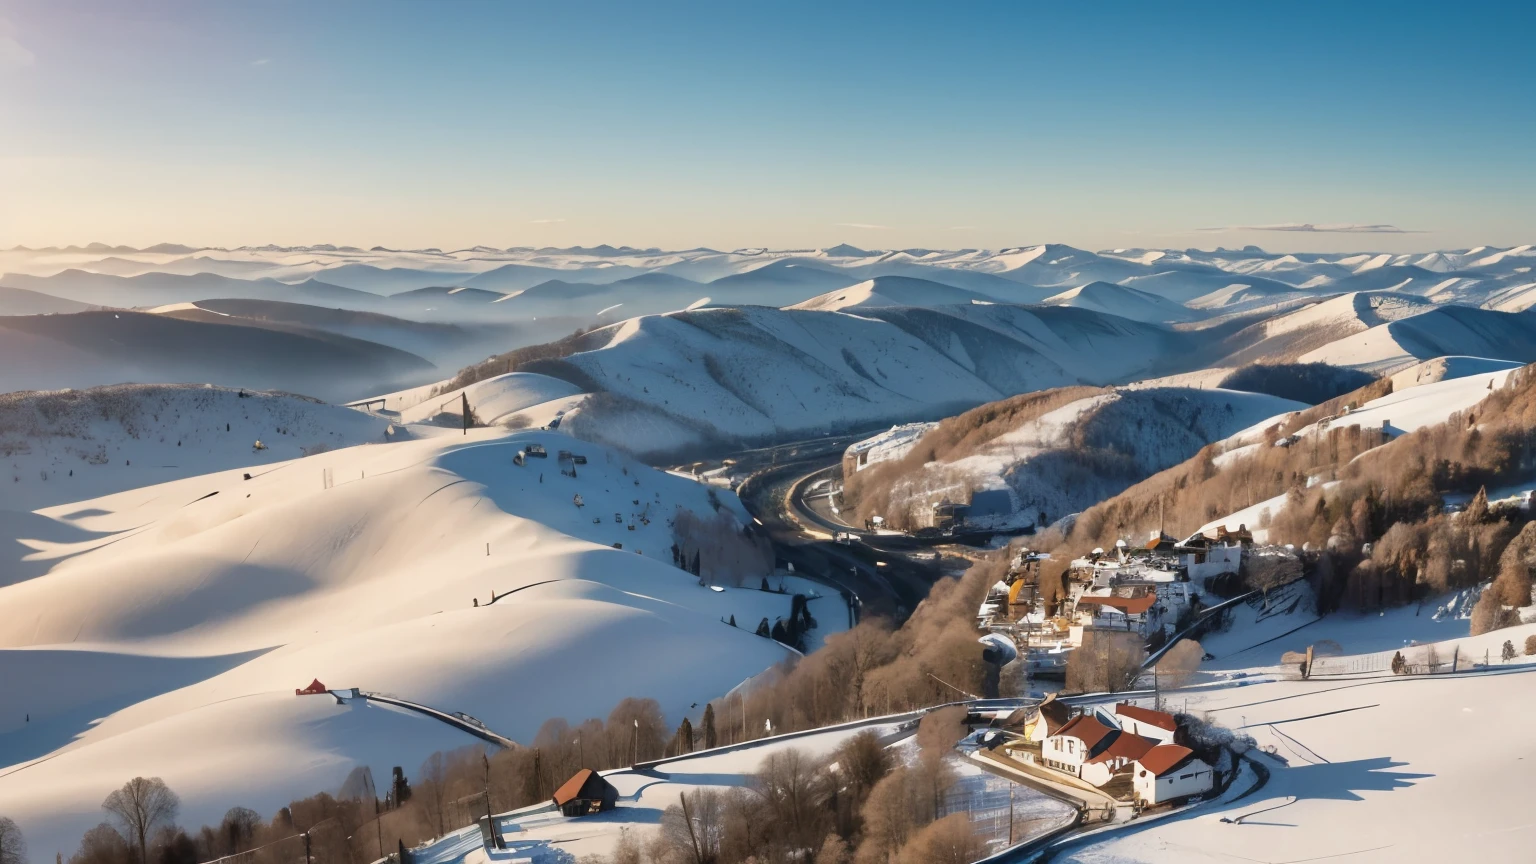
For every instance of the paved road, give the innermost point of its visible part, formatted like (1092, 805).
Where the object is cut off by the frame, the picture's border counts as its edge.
(886, 583)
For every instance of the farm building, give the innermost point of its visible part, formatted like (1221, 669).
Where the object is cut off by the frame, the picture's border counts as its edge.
(1169, 772)
(1157, 725)
(586, 793)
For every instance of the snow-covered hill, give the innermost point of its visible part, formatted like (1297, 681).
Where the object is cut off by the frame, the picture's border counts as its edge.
(185, 614)
(1090, 449)
(891, 291)
(71, 445)
(1132, 303)
(493, 400)
(691, 377)
(85, 349)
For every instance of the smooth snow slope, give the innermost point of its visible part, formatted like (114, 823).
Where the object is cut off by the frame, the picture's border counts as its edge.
(686, 377)
(891, 291)
(494, 399)
(359, 567)
(1125, 302)
(72, 445)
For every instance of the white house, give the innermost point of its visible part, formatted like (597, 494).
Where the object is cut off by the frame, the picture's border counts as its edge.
(1169, 772)
(1157, 725)
(1116, 759)
(1048, 719)
(1083, 738)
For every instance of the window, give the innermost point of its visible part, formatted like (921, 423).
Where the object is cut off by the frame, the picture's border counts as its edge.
(1185, 776)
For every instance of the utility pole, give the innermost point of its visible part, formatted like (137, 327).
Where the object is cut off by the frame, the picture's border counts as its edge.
(1011, 785)
(378, 821)
(485, 761)
(306, 848)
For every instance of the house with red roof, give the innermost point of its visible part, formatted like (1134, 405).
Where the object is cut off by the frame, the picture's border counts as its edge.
(1157, 725)
(1117, 758)
(1083, 738)
(1168, 773)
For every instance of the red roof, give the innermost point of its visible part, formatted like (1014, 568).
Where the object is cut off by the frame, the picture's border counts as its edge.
(578, 787)
(1160, 719)
(1128, 605)
(1125, 746)
(1085, 728)
(1164, 758)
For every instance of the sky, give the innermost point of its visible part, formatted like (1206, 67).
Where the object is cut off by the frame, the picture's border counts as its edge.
(1393, 127)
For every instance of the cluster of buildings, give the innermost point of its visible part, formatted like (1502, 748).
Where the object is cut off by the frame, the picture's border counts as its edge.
(1138, 750)
(1149, 590)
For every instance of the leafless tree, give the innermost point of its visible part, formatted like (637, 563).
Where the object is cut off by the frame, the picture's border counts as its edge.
(834, 850)
(946, 841)
(787, 784)
(139, 806)
(13, 847)
(1108, 661)
(102, 845)
(1180, 663)
(694, 826)
(432, 791)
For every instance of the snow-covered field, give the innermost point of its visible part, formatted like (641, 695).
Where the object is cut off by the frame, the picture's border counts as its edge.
(1388, 769)
(182, 616)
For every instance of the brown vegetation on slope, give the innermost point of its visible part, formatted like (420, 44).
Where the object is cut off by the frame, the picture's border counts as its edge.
(869, 490)
(1380, 532)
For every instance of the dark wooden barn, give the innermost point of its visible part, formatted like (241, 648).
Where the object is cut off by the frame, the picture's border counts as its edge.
(585, 793)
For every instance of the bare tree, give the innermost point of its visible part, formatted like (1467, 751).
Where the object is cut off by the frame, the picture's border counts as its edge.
(693, 827)
(947, 841)
(834, 850)
(13, 847)
(102, 845)
(1180, 663)
(1108, 661)
(238, 829)
(433, 792)
(895, 807)
(786, 782)
(139, 806)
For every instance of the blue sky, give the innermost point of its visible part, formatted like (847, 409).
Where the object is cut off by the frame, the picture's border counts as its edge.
(787, 124)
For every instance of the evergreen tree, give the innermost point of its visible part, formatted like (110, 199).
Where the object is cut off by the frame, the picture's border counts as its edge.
(685, 736)
(710, 740)
(1508, 653)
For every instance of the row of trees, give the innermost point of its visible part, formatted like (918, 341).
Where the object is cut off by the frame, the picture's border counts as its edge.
(859, 806)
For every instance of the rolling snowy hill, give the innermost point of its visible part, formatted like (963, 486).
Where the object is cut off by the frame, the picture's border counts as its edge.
(71, 445)
(891, 291)
(695, 377)
(1090, 449)
(1126, 302)
(186, 613)
(86, 349)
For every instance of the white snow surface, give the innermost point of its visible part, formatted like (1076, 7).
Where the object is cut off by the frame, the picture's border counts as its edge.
(184, 614)
(72, 445)
(494, 399)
